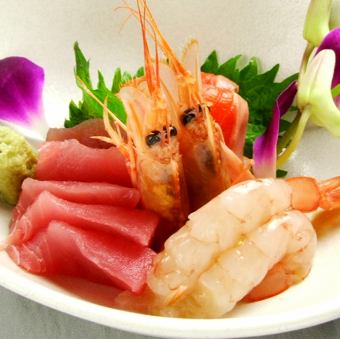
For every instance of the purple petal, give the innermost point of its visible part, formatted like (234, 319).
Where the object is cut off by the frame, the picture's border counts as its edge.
(337, 100)
(264, 149)
(21, 85)
(332, 41)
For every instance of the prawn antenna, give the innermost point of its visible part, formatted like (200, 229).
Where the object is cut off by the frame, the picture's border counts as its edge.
(163, 43)
(151, 28)
(149, 71)
(134, 13)
(157, 61)
(128, 7)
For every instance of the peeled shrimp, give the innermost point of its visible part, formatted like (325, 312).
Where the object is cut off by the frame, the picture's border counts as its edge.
(228, 246)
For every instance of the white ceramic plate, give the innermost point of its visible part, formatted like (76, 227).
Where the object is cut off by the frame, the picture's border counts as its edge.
(270, 30)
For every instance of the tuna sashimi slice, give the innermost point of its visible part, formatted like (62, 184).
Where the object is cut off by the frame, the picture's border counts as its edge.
(136, 225)
(81, 192)
(70, 160)
(67, 250)
(83, 132)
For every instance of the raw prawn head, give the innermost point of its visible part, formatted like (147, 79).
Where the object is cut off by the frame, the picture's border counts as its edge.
(209, 166)
(151, 145)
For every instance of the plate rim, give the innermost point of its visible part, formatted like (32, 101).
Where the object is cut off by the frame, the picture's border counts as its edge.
(166, 327)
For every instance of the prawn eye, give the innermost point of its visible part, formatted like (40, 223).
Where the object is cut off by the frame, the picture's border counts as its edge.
(173, 131)
(153, 138)
(188, 115)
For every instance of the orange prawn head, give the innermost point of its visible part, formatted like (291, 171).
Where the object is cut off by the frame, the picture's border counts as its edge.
(180, 81)
(150, 124)
(199, 136)
(158, 164)
(201, 139)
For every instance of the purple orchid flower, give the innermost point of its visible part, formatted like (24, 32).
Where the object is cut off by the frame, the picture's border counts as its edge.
(314, 91)
(21, 85)
(264, 149)
(332, 41)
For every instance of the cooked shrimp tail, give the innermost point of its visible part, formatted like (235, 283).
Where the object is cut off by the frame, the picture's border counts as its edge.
(330, 193)
(308, 194)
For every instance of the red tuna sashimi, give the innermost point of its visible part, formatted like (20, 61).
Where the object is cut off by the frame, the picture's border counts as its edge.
(82, 132)
(70, 160)
(64, 249)
(81, 192)
(136, 225)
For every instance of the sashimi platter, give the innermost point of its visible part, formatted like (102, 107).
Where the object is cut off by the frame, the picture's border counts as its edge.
(197, 196)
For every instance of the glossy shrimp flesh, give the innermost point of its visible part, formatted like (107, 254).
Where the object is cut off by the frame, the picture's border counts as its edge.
(243, 238)
(206, 166)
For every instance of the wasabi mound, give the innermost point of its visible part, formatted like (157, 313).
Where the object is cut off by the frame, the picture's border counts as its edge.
(17, 162)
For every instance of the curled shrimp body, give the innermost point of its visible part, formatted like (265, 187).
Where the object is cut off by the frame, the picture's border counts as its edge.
(241, 239)
(288, 237)
(206, 167)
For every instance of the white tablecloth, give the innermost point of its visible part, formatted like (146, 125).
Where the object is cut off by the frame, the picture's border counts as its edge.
(23, 319)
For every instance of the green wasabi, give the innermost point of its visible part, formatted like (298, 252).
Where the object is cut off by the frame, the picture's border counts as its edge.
(17, 162)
